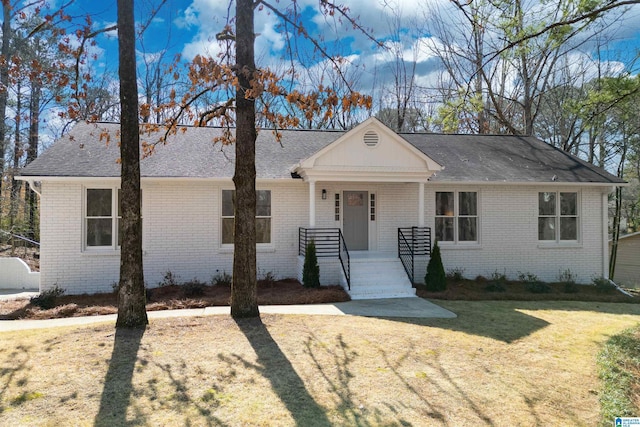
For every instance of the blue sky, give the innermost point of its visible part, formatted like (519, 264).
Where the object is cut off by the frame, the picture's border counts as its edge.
(188, 27)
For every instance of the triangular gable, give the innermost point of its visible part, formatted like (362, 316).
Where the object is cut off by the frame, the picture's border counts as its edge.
(370, 151)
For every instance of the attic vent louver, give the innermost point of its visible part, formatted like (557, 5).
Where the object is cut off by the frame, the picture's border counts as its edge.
(371, 138)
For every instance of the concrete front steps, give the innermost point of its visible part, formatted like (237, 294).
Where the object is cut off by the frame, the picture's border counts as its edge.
(383, 277)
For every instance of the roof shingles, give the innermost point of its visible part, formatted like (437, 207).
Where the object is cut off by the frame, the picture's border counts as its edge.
(192, 154)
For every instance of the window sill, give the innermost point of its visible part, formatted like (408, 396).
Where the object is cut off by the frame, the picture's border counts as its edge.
(557, 245)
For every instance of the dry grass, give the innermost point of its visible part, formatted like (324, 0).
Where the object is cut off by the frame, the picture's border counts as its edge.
(498, 363)
(287, 291)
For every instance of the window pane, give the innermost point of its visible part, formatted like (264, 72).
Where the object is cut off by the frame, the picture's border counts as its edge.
(444, 203)
(546, 203)
(468, 203)
(546, 228)
(99, 202)
(467, 229)
(569, 228)
(99, 232)
(228, 200)
(263, 203)
(444, 229)
(227, 230)
(568, 203)
(263, 230)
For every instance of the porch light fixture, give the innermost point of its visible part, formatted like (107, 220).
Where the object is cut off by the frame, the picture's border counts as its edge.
(324, 194)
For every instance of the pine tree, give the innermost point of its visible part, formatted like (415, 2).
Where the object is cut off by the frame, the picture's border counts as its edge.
(311, 269)
(436, 279)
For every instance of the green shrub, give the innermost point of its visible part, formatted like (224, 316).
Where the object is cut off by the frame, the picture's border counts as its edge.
(496, 283)
(533, 284)
(193, 288)
(568, 279)
(455, 274)
(47, 299)
(603, 285)
(435, 279)
(222, 279)
(495, 287)
(311, 269)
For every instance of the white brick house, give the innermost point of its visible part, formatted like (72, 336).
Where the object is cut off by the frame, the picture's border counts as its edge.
(495, 203)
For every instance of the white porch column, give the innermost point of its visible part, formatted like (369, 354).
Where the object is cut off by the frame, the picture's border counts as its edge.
(312, 204)
(421, 204)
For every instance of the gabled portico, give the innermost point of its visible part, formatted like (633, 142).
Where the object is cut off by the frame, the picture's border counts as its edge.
(363, 169)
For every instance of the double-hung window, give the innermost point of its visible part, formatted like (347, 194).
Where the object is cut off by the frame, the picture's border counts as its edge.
(263, 216)
(558, 218)
(102, 218)
(456, 216)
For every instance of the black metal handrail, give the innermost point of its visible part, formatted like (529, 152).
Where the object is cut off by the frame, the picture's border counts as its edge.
(412, 242)
(329, 243)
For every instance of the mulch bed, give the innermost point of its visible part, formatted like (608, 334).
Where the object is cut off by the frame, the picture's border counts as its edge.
(171, 297)
(471, 290)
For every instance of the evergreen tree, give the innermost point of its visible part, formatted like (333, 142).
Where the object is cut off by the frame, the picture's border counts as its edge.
(311, 269)
(436, 279)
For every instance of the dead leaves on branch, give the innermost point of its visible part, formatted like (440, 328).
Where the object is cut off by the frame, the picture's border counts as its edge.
(210, 99)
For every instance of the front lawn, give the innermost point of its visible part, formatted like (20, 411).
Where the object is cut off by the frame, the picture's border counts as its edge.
(497, 363)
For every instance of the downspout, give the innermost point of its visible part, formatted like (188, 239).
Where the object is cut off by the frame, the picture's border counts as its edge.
(605, 234)
(36, 186)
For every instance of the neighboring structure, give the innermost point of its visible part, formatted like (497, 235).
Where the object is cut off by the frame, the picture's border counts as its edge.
(627, 271)
(495, 203)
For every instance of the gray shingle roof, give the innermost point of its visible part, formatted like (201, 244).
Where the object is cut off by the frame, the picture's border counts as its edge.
(192, 154)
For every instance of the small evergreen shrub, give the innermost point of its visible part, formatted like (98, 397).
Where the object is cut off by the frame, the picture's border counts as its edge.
(603, 285)
(533, 284)
(455, 274)
(311, 269)
(222, 279)
(47, 299)
(193, 288)
(495, 287)
(435, 279)
(568, 279)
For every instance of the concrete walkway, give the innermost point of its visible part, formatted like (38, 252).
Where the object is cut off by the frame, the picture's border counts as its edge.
(392, 308)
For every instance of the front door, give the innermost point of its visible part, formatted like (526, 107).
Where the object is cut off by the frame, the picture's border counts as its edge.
(356, 220)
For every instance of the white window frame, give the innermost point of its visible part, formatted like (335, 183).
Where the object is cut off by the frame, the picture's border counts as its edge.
(115, 219)
(113, 246)
(456, 218)
(557, 217)
(270, 217)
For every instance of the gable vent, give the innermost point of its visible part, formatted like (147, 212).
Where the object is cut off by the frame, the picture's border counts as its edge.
(371, 138)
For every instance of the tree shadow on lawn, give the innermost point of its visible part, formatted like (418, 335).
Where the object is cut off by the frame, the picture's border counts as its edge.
(285, 382)
(118, 386)
(490, 319)
(506, 321)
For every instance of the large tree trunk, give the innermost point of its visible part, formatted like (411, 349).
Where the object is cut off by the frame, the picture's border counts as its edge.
(131, 294)
(244, 297)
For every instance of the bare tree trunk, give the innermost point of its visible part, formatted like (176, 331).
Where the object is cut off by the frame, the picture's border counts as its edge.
(32, 153)
(244, 297)
(17, 153)
(131, 293)
(4, 85)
